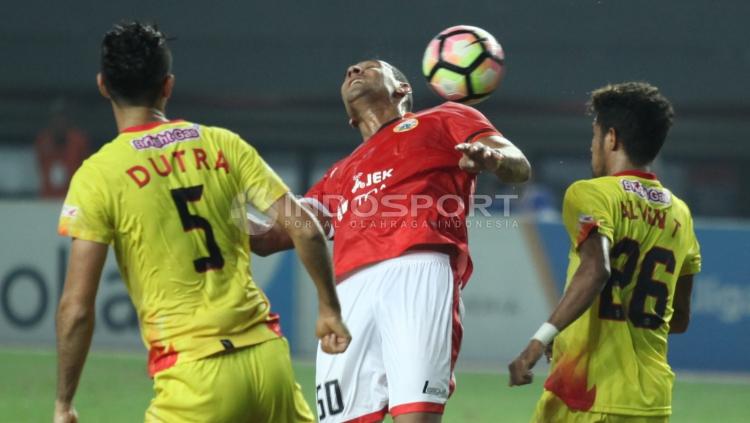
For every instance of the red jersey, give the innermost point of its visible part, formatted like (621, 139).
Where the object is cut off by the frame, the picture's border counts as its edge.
(402, 190)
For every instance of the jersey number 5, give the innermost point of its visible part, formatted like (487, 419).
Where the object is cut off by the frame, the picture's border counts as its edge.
(181, 197)
(645, 286)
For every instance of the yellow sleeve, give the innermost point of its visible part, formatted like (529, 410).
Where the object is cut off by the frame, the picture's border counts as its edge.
(260, 184)
(585, 207)
(85, 213)
(692, 263)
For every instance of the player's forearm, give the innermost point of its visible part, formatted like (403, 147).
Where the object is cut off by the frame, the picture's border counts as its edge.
(679, 323)
(313, 252)
(582, 291)
(75, 327)
(270, 242)
(514, 167)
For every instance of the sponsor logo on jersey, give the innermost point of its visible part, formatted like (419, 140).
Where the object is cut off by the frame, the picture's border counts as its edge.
(406, 125)
(361, 182)
(165, 138)
(653, 195)
(69, 211)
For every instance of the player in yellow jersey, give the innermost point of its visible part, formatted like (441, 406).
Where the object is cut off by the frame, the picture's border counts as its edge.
(632, 261)
(163, 194)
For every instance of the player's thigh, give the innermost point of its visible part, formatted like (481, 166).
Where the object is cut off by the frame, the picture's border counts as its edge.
(619, 418)
(550, 408)
(252, 384)
(277, 396)
(352, 385)
(192, 392)
(417, 320)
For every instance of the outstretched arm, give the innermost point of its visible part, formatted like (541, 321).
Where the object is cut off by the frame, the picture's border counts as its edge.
(75, 321)
(587, 282)
(495, 154)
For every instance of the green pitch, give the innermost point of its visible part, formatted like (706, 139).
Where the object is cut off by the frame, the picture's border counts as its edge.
(114, 388)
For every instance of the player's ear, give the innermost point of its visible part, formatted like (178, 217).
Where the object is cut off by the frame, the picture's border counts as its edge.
(611, 143)
(403, 90)
(102, 88)
(166, 89)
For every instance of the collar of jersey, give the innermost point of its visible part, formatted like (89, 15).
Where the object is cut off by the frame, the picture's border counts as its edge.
(150, 125)
(636, 173)
(408, 115)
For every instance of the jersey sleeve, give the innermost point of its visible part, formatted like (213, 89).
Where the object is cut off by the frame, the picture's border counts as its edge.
(692, 263)
(586, 208)
(465, 123)
(259, 183)
(324, 195)
(86, 212)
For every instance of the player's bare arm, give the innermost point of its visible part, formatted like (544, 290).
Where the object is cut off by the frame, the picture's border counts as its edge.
(681, 305)
(306, 234)
(587, 282)
(271, 241)
(277, 239)
(75, 321)
(495, 154)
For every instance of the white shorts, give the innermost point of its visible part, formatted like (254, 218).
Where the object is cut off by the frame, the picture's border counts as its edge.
(404, 315)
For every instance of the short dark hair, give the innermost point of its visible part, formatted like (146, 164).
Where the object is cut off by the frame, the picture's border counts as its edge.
(135, 60)
(400, 77)
(640, 115)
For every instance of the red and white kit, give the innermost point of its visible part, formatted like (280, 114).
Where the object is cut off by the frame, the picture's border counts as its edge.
(398, 205)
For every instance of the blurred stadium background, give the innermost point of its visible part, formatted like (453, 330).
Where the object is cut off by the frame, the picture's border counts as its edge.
(271, 72)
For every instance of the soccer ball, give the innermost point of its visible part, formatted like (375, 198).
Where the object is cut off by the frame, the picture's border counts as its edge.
(464, 64)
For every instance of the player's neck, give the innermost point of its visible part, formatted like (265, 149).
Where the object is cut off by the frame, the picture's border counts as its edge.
(371, 118)
(130, 116)
(621, 163)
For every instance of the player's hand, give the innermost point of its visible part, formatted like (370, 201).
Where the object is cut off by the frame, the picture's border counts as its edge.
(478, 157)
(65, 413)
(520, 368)
(333, 333)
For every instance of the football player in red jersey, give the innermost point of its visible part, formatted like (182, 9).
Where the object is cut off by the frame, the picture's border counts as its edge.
(396, 209)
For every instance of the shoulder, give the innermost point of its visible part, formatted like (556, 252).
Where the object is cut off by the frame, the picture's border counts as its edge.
(450, 108)
(335, 168)
(681, 206)
(218, 133)
(109, 154)
(593, 189)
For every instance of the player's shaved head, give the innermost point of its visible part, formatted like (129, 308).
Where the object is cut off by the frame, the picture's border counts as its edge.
(399, 76)
(135, 61)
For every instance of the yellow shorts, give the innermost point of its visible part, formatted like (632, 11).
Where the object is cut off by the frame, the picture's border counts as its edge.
(252, 384)
(551, 409)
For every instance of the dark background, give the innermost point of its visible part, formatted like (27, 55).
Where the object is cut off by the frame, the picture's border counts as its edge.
(271, 71)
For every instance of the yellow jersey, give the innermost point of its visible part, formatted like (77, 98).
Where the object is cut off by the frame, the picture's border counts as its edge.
(170, 197)
(613, 359)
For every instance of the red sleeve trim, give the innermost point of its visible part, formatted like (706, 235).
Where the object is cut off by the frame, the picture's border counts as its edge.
(377, 416)
(584, 232)
(417, 407)
(486, 132)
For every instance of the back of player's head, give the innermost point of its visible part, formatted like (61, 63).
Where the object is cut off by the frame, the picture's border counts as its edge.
(408, 101)
(640, 115)
(135, 61)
